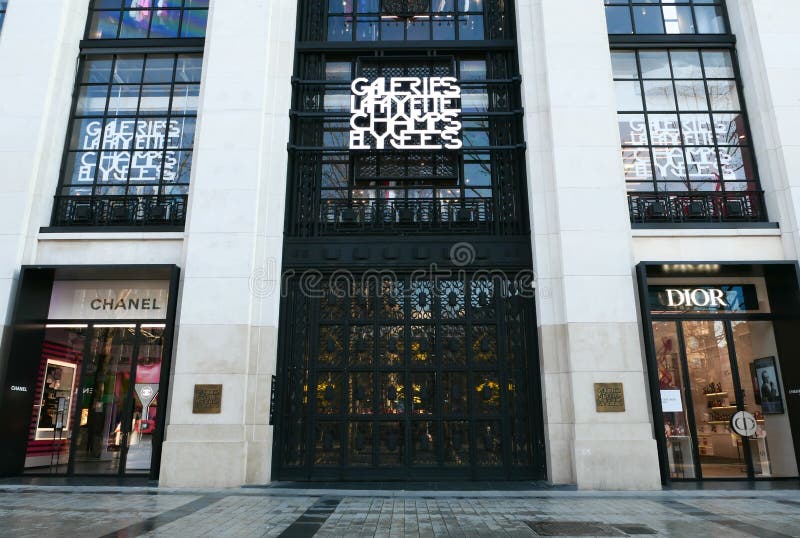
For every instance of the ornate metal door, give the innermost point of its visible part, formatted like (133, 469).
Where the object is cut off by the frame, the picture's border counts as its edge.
(409, 379)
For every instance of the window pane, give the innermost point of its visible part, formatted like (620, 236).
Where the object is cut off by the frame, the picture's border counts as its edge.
(696, 130)
(709, 20)
(624, 65)
(104, 25)
(629, 95)
(691, 95)
(730, 129)
(97, 70)
(91, 100)
(659, 95)
(655, 64)
(470, 27)
(718, 64)
(134, 24)
(159, 68)
(633, 130)
(723, 95)
(664, 130)
(618, 20)
(648, 20)
(678, 19)
(686, 64)
(166, 23)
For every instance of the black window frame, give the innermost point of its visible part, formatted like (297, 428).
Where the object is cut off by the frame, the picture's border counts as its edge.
(123, 212)
(695, 208)
(690, 5)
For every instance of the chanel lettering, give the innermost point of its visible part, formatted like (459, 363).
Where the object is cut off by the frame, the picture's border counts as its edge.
(701, 298)
(125, 304)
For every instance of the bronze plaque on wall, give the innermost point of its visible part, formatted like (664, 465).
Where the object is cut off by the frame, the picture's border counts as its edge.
(609, 397)
(207, 400)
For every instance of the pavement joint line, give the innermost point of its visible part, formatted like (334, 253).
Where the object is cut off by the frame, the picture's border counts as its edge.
(164, 518)
(723, 520)
(312, 520)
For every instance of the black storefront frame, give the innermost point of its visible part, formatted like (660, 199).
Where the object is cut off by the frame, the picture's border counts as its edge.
(784, 315)
(26, 337)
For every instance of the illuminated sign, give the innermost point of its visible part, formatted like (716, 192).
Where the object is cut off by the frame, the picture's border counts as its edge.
(405, 113)
(698, 298)
(109, 299)
(720, 298)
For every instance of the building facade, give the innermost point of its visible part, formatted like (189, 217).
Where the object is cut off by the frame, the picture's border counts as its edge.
(246, 240)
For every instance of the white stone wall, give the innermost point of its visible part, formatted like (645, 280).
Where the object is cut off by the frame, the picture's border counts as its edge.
(583, 254)
(230, 297)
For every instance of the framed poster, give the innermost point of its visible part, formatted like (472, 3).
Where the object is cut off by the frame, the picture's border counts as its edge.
(54, 405)
(766, 387)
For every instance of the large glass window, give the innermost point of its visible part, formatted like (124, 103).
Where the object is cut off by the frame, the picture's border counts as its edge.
(128, 151)
(686, 144)
(681, 121)
(131, 19)
(665, 17)
(133, 125)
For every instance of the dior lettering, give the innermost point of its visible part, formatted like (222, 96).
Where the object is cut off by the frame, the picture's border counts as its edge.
(700, 298)
(124, 304)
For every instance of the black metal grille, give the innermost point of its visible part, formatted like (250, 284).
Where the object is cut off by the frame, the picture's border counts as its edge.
(405, 8)
(480, 188)
(402, 378)
(679, 207)
(120, 210)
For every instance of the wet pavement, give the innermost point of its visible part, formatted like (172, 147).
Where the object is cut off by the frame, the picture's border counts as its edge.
(28, 510)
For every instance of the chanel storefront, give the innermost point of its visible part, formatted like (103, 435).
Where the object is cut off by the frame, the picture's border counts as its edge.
(725, 383)
(87, 378)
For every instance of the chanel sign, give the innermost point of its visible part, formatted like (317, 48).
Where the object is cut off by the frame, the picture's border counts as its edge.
(405, 113)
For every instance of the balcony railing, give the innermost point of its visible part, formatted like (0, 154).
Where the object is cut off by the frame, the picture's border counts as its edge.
(380, 215)
(158, 210)
(694, 207)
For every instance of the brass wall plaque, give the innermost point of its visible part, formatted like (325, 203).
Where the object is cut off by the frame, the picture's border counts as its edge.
(207, 400)
(609, 397)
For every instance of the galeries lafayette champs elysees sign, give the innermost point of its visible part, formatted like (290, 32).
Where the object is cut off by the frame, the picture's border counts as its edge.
(405, 113)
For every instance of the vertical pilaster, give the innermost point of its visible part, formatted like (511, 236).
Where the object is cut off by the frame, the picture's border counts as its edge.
(583, 257)
(38, 53)
(230, 298)
(767, 37)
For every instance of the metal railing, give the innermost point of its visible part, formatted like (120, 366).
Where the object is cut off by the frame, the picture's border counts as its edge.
(132, 210)
(688, 207)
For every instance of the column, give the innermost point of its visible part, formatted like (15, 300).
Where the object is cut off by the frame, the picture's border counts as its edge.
(767, 36)
(583, 258)
(38, 50)
(230, 298)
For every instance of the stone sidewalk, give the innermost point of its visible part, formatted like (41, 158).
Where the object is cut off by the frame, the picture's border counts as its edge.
(79, 511)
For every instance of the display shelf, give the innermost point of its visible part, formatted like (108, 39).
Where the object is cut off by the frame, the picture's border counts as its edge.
(716, 394)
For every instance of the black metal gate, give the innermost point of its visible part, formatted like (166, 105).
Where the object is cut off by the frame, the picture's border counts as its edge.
(409, 379)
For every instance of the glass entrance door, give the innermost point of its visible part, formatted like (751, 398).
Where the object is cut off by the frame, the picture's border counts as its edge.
(99, 400)
(708, 370)
(104, 397)
(715, 394)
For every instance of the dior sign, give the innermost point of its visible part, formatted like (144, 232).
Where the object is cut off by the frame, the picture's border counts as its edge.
(694, 297)
(405, 113)
(698, 298)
